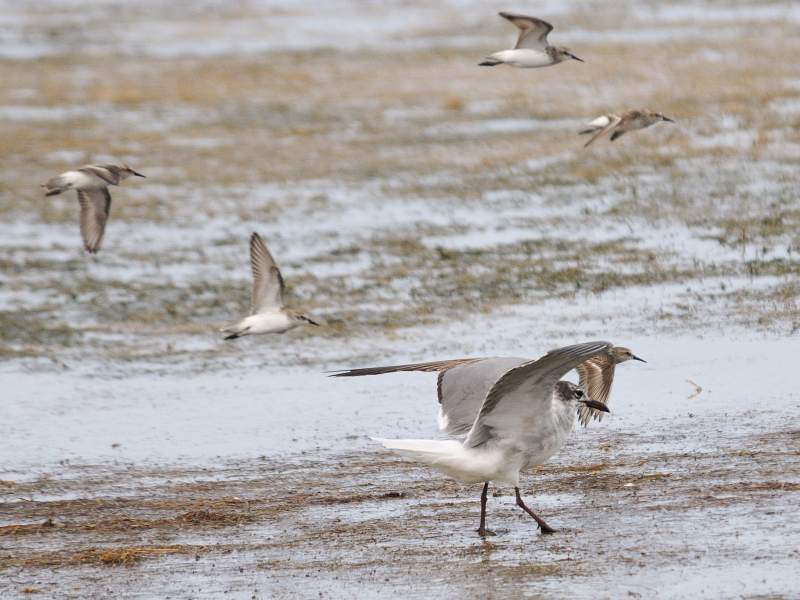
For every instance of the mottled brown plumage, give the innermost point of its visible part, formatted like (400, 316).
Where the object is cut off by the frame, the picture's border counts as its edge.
(597, 377)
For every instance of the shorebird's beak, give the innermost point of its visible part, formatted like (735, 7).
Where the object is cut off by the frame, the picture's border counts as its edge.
(639, 359)
(666, 119)
(576, 58)
(138, 174)
(596, 405)
(312, 322)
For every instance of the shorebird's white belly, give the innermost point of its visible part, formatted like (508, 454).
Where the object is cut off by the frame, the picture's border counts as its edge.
(81, 181)
(274, 322)
(524, 58)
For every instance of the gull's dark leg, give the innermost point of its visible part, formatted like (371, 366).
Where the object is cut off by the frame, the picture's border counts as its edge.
(482, 531)
(544, 526)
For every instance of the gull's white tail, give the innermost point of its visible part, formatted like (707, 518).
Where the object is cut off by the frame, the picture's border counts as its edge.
(465, 465)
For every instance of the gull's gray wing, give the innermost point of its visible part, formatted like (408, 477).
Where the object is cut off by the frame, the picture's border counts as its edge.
(522, 396)
(428, 367)
(463, 388)
(533, 34)
(109, 173)
(268, 285)
(613, 124)
(597, 377)
(95, 206)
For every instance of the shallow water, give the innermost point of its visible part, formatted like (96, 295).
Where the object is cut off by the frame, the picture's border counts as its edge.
(421, 209)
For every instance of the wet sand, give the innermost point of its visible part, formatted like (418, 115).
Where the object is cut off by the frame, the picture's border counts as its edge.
(718, 522)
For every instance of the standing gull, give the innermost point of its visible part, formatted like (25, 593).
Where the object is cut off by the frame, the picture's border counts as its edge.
(525, 417)
(622, 122)
(532, 49)
(91, 182)
(269, 314)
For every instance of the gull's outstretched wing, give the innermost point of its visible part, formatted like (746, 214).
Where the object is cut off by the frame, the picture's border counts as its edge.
(428, 367)
(523, 394)
(109, 173)
(268, 285)
(463, 388)
(95, 206)
(613, 124)
(533, 34)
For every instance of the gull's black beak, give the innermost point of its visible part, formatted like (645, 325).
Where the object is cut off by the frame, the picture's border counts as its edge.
(666, 119)
(138, 174)
(576, 58)
(595, 404)
(639, 359)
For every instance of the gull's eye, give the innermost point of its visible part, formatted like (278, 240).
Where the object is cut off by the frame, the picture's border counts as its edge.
(579, 393)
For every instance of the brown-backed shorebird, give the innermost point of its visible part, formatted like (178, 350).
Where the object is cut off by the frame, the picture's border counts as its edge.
(91, 182)
(622, 122)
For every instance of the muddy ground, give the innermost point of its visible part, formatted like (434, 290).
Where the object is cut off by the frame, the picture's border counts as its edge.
(633, 521)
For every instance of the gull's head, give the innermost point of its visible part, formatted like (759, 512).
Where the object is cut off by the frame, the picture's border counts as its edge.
(126, 171)
(621, 355)
(574, 396)
(562, 53)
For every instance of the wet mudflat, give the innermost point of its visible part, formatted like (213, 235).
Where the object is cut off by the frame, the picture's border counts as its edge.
(633, 520)
(420, 208)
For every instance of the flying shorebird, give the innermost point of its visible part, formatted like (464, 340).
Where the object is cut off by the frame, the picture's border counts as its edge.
(91, 182)
(597, 377)
(269, 314)
(622, 122)
(524, 416)
(532, 49)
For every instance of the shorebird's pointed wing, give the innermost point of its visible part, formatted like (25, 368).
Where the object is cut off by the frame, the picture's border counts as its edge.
(268, 285)
(597, 377)
(95, 205)
(523, 395)
(613, 124)
(109, 173)
(533, 34)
